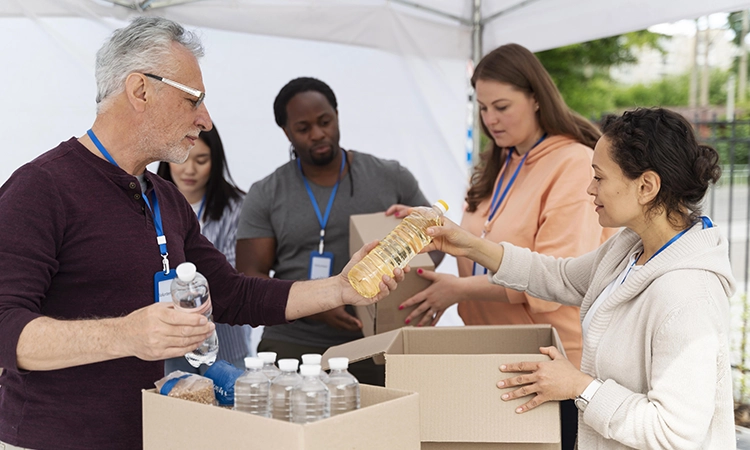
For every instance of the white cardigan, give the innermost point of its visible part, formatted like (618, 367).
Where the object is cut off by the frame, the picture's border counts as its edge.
(659, 341)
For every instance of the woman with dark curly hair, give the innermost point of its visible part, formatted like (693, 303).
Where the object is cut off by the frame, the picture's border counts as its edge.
(528, 189)
(655, 370)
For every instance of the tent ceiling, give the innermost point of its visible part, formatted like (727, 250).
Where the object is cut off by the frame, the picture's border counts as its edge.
(143, 5)
(400, 26)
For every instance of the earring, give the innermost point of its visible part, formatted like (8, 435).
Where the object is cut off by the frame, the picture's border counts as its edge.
(292, 152)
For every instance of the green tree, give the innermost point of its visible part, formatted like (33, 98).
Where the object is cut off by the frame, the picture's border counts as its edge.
(581, 71)
(669, 91)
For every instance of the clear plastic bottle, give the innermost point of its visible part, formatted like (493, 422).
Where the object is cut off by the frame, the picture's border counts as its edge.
(310, 399)
(190, 294)
(397, 249)
(313, 359)
(269, 364)
(281, 389)
(251, 390)
(343, 386)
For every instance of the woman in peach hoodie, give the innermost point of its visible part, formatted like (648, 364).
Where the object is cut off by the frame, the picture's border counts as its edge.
(529, 190)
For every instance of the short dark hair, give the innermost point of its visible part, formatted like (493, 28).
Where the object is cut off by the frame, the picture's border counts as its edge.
(294, 87)
(220, 188)
(663, 141)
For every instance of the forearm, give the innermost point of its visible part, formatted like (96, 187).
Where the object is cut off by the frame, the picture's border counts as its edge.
(49, 344)
(311, 297)
(485, 253)
(479, 288)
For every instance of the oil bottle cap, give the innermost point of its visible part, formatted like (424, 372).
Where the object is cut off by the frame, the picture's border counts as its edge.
(441, 205)
(186, 272)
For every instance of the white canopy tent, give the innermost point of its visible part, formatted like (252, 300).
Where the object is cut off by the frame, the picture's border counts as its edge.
(430, 28)
(398, 67)
(405, 61)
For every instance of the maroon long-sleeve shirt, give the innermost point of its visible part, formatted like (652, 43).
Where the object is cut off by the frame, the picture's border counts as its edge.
(77, 242)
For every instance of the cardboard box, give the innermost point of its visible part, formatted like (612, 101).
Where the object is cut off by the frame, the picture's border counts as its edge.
(384, 315)
(387, 419)
(455, 371)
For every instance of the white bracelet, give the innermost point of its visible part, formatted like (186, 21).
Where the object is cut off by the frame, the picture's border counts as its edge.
(582, 401)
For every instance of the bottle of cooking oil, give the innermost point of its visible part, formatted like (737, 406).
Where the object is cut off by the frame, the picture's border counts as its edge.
(397, 249)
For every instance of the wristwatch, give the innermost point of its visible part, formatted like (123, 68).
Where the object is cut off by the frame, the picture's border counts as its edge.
(582, 401)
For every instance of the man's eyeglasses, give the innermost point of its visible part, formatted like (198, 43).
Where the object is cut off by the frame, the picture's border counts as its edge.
(194, 92)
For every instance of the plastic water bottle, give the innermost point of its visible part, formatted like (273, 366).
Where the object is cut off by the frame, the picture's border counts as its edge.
(313, 359)
(269, 364)
(397, 249)
(251, 390)
(310, 399)
(343, 386)
(281, 389)
(190, 294)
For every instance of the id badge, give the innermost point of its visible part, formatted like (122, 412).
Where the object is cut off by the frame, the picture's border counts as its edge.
(321, 265)
(479, 270)
(163, 285)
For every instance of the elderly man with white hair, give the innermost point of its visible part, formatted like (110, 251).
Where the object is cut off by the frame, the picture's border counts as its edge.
(90, 240)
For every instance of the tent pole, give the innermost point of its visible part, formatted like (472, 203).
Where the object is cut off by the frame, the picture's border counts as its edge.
(435, 11)
(477, 28)
(476, 55)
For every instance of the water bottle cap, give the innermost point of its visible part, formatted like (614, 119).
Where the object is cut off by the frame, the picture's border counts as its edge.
(267, 357)
(341, 363)
(311, 358)
(288, 365)
(441, 205)
(309, 370)
(252, 362)
(186, 272)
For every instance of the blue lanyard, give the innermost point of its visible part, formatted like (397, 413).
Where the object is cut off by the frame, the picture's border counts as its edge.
(200, 210)
(161, 239)
(495, 204)
(706, 224)
(323, 220)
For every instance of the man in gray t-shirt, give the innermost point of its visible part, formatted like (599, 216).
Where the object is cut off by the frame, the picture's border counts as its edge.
(280, 227)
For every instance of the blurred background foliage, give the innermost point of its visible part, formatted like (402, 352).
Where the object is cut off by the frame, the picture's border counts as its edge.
(588, 87)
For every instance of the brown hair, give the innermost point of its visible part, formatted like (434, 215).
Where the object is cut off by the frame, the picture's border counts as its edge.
(515, 65)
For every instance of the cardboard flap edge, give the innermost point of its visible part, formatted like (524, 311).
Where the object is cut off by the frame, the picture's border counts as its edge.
(362, 349)
(557, 342)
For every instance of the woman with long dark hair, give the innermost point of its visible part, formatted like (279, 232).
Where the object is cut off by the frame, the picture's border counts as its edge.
(205, 182)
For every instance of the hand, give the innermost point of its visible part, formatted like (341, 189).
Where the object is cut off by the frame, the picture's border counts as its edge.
(338, 318)
(159, 331)
(434, 300)
(452, 239)
(398, 211)
(388, 284)
(549, 380)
